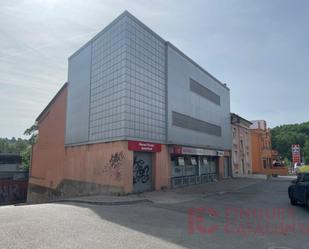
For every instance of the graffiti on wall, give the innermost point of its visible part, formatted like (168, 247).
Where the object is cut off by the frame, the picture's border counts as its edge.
(13, 191)
(141, 171)
(113, 167)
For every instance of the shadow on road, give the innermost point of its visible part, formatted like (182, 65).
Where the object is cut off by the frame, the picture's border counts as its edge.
(173, 222)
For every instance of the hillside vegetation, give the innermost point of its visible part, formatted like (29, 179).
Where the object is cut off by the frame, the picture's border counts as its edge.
(285, 135)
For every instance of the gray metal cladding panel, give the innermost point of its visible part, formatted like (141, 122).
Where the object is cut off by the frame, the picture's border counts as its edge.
(194, 124)
(204, 92)
(78, 97)
(181, 99)
(108, 96)
(145, 84)
(126, 86)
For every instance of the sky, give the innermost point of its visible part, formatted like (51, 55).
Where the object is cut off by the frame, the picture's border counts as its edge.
(260, 49)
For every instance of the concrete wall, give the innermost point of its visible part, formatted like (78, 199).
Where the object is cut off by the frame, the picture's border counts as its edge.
(182, 100)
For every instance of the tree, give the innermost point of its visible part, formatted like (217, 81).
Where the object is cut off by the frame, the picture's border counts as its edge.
(306, 151)
(285, 135)
(32, 132)
(27, 152)
(13, 145)
(26, 157)
(21, 146)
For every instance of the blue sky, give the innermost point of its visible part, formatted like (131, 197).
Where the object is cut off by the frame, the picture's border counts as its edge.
(259, 48)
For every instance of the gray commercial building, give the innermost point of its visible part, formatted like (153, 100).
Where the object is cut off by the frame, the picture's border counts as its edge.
(129, 84)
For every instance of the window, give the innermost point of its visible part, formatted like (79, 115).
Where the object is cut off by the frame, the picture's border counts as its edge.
(234, 132)
(181, 161)
(241, 144)
(235, 159)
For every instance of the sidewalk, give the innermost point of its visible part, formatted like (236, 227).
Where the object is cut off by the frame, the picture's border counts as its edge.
(171, 196)
(193, 192)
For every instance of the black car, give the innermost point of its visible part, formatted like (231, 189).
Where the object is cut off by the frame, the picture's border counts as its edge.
(299, 190)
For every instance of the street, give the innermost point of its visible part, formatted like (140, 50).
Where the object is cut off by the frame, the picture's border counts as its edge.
(224, 219)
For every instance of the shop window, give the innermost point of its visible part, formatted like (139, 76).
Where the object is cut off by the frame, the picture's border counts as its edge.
(189, 168)
(181, 161)
(193, 161)
(204, 166)
(212, 165)
(177, 166)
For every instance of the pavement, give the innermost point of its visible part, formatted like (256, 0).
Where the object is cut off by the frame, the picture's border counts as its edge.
(209, 216)
(170, 196)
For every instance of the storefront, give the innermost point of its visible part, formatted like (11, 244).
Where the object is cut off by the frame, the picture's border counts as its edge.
(191, 166)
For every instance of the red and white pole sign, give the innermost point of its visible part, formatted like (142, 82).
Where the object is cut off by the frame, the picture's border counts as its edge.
(296, 153)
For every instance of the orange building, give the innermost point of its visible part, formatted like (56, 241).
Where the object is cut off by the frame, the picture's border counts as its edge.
(261, 150)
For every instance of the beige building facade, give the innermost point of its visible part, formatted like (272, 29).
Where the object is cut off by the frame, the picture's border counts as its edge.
(241, 146)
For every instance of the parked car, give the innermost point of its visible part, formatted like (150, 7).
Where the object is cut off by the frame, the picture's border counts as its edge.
(299, 190)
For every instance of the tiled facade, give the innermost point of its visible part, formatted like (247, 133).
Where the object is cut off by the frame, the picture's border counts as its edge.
(146, 83)
(127, 96)
(108, 92)
(127, 92)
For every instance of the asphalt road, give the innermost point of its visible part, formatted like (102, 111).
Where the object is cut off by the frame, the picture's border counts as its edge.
(257, 216)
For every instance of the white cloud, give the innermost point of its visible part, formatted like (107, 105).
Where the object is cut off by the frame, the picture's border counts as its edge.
(258, 48)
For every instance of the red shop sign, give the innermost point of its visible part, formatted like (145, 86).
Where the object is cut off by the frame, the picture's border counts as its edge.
(144, 146)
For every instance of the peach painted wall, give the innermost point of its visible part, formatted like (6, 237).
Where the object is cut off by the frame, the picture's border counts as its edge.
(48, 153)
(162, 168)
(52, 162)
(109, 164)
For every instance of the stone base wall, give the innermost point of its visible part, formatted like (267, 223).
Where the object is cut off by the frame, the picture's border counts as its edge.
(69, 189)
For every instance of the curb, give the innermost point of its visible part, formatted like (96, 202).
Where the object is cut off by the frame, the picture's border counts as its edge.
(113, 203)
